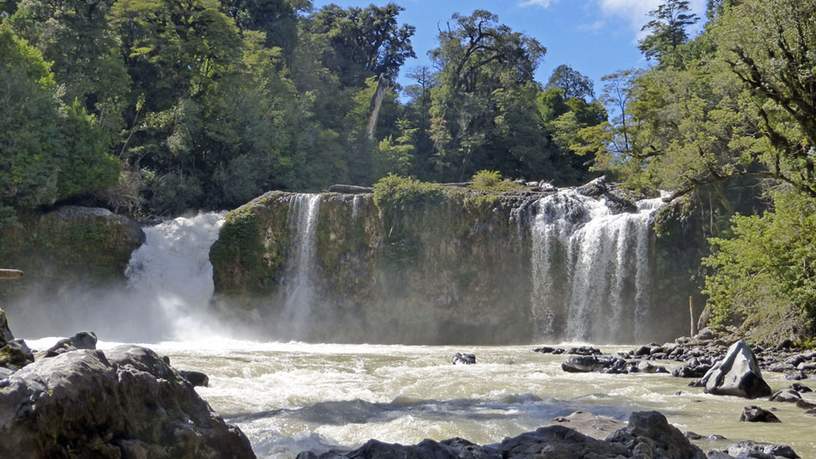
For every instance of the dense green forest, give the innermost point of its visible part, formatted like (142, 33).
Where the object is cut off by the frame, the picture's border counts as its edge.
(155, 107)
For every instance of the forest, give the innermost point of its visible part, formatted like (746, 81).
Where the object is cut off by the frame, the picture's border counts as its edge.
(153, 108)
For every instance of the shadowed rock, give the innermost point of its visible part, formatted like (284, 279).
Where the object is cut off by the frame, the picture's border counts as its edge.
(756, 414)
(737, 374)
(128, 403)
(82, 340)
(461, 358)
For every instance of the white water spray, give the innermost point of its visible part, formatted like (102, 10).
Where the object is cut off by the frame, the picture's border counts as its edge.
(301, 268)
(590, 268)
(172, 271)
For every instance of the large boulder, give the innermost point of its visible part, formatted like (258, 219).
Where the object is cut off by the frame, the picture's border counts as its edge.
(14, 353)
(737, 374)
(756, 414)
(82, 340)
(126, 403)
(648, 435)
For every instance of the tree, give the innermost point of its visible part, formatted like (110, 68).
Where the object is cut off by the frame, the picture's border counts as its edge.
(277, 19)
(75, 36)
(364, 42)
(667, 31)
(574, 84)
(48, 151)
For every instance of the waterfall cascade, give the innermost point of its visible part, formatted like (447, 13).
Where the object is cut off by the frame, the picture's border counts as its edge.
(172, 273)
(301, 267)
(591, 269)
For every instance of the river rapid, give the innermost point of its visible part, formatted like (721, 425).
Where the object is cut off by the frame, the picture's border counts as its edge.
(290, 397)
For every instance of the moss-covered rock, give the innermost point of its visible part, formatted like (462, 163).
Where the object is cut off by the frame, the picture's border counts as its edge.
(453, 268)
(71, 245)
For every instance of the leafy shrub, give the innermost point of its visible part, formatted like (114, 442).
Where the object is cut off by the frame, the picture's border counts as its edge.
(764, 277)
(395, 192)
(491, 181)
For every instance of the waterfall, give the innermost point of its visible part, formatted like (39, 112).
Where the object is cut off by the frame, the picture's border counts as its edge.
(171, 272)
(591, 269)
(301, 267)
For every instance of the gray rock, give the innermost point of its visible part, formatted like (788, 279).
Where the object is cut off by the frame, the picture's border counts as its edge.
(598, 427)
(82, 340)
(587, 363)
(461, 358)
(584, 350)
(786, 395)
(706, 334)
(752, 450)
(801, 388)
(549, 350)
(196, 378)
(646, 367)
(756, 414)
(737, 374)
(427, 449)
(649, 434)
(129, 403)
(15, 354)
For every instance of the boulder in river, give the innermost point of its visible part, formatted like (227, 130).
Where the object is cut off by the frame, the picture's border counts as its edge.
(737, 374)
(196, 378)
(127, 402)
(649, 434)
(82, 340)
(461, 358)
(752, 450)
(14, 353)
(586, 363)
(786, 395)
(756, 414)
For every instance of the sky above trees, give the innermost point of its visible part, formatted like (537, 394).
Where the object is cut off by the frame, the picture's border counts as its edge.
(596, 37)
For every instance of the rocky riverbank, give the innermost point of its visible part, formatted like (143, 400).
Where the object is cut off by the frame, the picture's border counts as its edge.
(75, 401)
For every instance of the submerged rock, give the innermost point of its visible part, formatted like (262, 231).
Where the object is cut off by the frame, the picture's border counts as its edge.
(461, 358)
(124, 403)
(737, 374)
(756, 414)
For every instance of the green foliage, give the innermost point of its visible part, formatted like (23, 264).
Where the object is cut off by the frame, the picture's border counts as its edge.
(491, 181)
(767, 268)
(395, 193)
(48, 151)
(667, 31)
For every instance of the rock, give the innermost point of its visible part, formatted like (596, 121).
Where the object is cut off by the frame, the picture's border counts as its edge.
(82, 340)
(373, 449)
(549, 350)
(795, 376)
(129, 403)
(786, 395)
(737, 374)
(751, 450)
(350, 189)
(546, 187)
(587, 363)
(646, 367)
(706, 334)
(584, 350)
(196, 378)
(643, 350)
(649, 434)
(559, 442)
(756, 414)
(598, 427)
(15, 354)
(801, 388)
(805, 405)
(461, 358)
(615, 200)
(695, 368)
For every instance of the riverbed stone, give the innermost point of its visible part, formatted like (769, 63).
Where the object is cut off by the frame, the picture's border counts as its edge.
(649, 434)
(196, 378)
(754, 413)
(801, 388)
(126, 402)
(755, 450)
(786, 395)
(737, 374)
(82, 340)
(461, 358)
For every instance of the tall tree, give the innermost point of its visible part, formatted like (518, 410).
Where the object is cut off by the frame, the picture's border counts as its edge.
(574, 83)
(667, 30)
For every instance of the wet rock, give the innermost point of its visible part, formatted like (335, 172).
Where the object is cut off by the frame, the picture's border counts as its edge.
(695, 368)
(125, 402)
(805, 405)
(196, 378)
(786, 395)
(752, 450)
(737, 374)
(646, 367)
(649, 434)
(801, 388)
(373, 449)
(82, 340)
(549, 350)
(756, 414)
(795, 376)
(705, 334)
(350, 189)
(588, 363)
(461, 358)
(558, 442)
(584, 350)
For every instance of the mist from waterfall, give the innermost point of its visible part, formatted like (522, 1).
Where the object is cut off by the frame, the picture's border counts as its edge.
(301, 267)
(591, 269)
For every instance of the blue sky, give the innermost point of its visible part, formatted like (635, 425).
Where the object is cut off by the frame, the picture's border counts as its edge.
(596, 37)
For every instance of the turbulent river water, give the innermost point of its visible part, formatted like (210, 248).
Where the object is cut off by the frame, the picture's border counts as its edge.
(289, 397)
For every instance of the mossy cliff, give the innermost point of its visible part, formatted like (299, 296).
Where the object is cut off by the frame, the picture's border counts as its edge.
(446, 266)
(69, 246)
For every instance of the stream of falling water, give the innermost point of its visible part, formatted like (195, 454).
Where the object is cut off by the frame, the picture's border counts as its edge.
(591, 268)
(301, 268)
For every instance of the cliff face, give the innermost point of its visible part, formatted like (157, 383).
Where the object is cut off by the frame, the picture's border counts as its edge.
(69, 246)
(431, 273)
